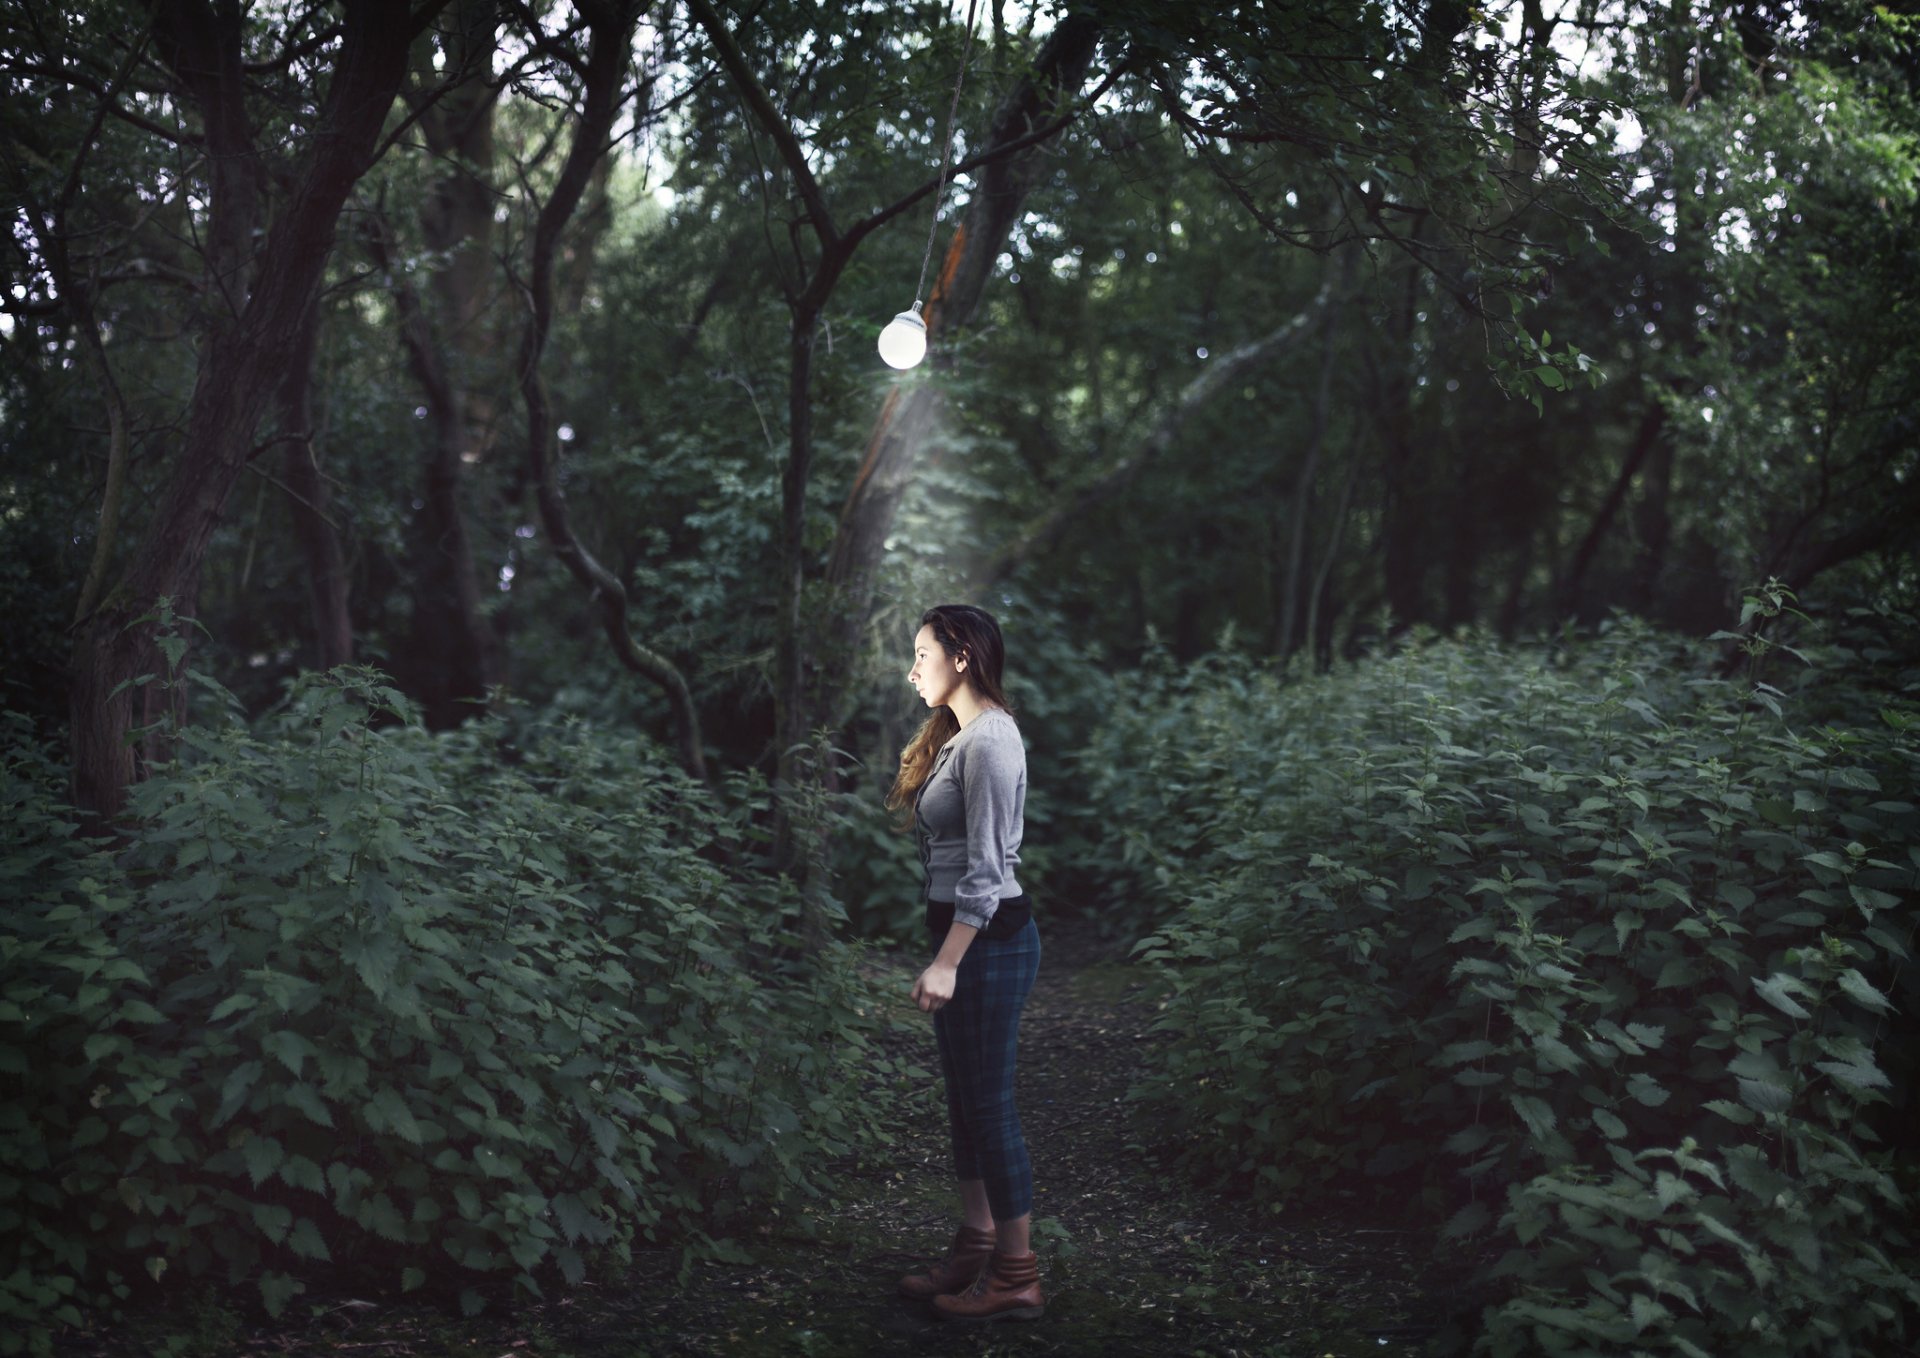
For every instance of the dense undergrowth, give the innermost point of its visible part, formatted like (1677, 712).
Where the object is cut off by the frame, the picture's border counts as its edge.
(1596, 953)
(431, 1011)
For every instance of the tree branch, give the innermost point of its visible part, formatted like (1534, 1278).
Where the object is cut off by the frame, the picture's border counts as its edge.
(1042, 532)
(996, 152)
(762, 107)
(612, 28)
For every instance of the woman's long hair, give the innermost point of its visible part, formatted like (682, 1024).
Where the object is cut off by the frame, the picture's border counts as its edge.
(964, 633)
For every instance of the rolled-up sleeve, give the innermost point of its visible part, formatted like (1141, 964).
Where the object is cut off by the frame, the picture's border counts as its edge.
(992, 777)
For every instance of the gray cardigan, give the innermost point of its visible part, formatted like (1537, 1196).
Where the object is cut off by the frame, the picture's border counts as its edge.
(969, 817)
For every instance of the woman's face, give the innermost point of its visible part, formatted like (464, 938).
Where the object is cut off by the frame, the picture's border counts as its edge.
(933, 672)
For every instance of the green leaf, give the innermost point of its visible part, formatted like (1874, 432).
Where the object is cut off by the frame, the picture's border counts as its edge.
(1725, 1232)
(378, 1214)
(1535, 1113)
(1871, 898)
(388, 1111)
(1747, 1166)
(263, 1155)
(1861, 992)
(289, 1047)
(235, 1089)
(273, 1220)
(1774, 990)
(277, 1289)
(1764, 1098)
(1677, 971)
(307, 1099)
(1645, 1089)
(99, 1046)
(1469, 1220)
(412, 1279)
(139, 1011)
(1473, 929)
(1856, 1074)
(1468, 1140)
(1886, 941)
(1646, 1311)
(1669, 1188)
(300, 1172)
(231, 1005)
(306, 1241)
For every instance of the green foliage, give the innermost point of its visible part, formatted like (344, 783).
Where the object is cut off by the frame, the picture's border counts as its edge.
(444, 1010)
(1597, 955)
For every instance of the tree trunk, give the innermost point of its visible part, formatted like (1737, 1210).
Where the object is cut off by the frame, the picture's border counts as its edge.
(242, 360)
(308, 496)
(1570, 590)
(1316, 597)
(1404, 522)
(1408, 508)
(1509, 619)
(1655, 526)
(794, 699)
(1302, 526)
(453, 657)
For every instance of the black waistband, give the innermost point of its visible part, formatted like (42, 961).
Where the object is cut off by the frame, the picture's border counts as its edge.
(1009, 918)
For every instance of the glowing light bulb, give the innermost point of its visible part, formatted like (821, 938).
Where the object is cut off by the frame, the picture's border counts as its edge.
(904, 342)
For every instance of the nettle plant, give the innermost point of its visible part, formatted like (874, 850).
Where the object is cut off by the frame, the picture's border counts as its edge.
(1600, 955)
(448, 1011)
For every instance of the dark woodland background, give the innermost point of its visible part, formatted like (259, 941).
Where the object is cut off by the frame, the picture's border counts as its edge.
(1446, 475)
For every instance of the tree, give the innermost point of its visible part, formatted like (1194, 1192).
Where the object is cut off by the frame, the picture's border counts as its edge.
(268, 232)
(601, 74)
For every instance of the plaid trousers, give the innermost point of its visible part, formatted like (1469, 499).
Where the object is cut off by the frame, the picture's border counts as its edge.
(977, 1030)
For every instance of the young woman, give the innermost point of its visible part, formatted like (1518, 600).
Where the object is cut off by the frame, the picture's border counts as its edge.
(964, 775)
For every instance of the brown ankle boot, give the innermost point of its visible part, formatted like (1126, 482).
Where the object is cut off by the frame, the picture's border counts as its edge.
(957, 1271)
(1007, 1289)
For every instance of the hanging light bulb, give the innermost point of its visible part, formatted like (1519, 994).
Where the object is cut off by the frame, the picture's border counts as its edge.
(904, 342)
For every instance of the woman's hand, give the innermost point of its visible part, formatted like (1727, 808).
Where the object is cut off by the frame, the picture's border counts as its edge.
(935, 987)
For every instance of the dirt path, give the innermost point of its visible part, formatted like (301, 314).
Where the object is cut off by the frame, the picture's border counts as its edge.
(1140, 1263)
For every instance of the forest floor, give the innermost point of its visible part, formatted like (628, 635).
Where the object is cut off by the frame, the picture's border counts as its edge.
(1135, 1260)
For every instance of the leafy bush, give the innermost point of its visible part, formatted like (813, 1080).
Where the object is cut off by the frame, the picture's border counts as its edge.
(1625, 938)
(447, 1008)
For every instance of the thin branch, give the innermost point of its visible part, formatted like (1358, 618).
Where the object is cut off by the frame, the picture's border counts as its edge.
(987, 157)
(552, 45)
(294, 51)
(78, 81)
(777, 127)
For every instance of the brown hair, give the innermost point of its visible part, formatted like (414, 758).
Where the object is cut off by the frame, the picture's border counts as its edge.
(964, 633)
